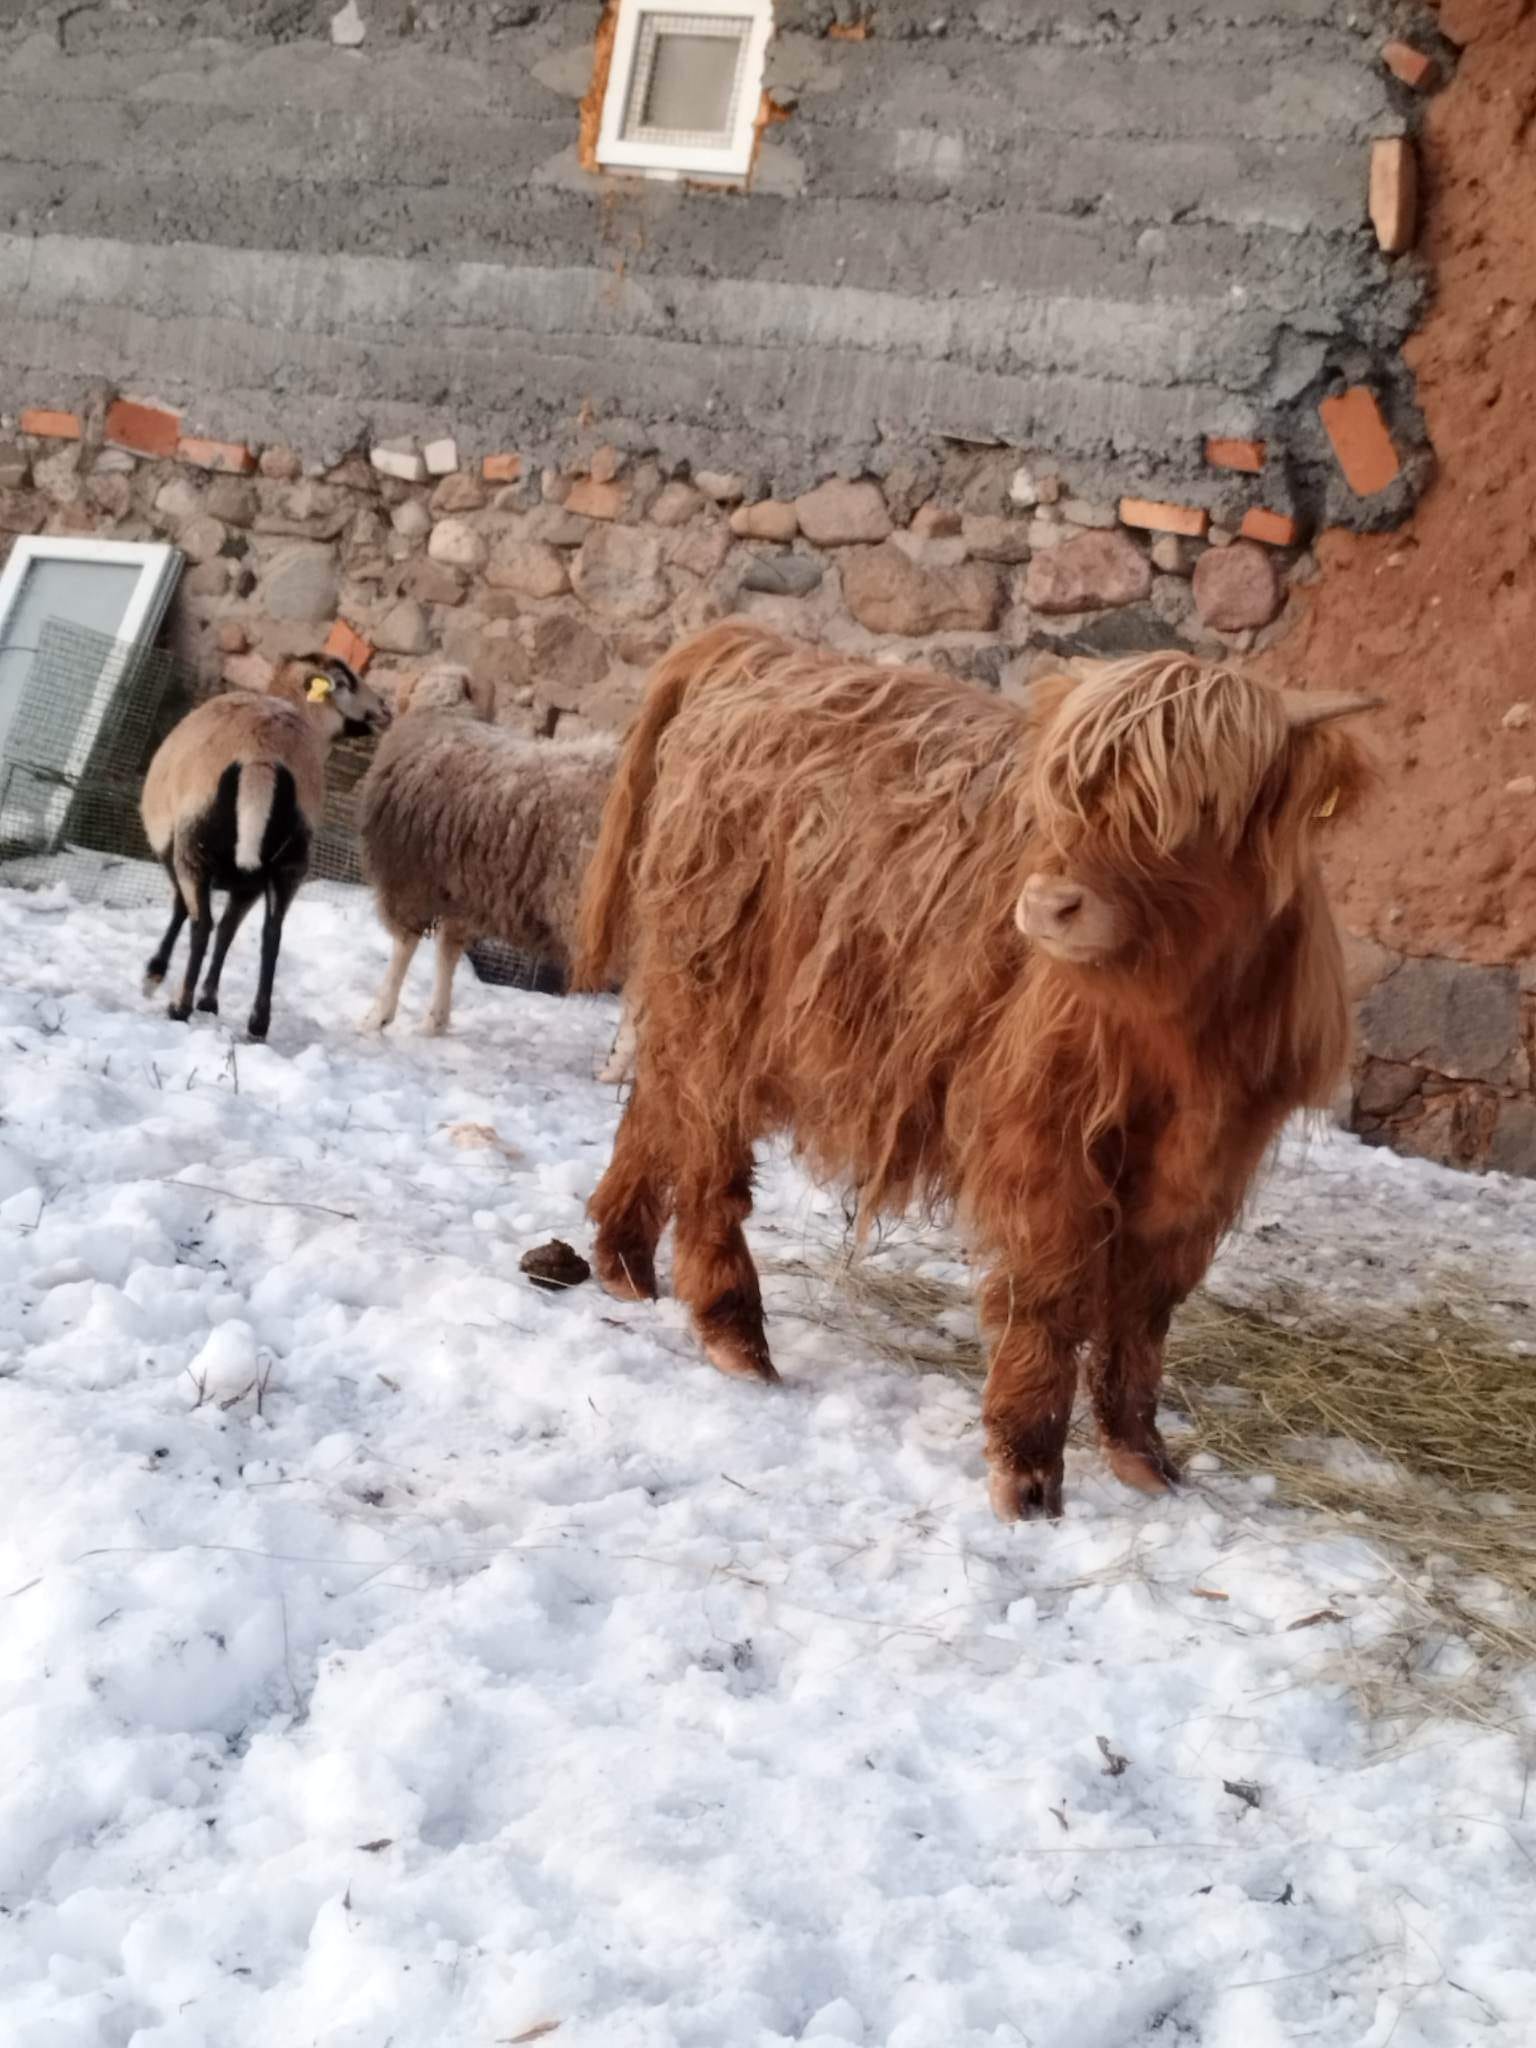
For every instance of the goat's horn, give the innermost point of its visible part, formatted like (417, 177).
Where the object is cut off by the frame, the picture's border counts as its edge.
(1306, 708)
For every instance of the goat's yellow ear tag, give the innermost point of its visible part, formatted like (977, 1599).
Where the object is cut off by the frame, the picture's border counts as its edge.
(320, 687)
(1329, 805)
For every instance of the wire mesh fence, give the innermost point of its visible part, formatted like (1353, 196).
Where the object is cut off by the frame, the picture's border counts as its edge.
(91, 713)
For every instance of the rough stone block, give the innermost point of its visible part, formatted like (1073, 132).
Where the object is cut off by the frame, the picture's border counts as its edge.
(768, 520)
(888, 593)
(935, 522)
(675, 504)
(996, 538)
(1087, 573)
(455, 543)
(618, 572)
(1089, 512)
(300, 583)
(1236, 588)
(403, 629)
(281, 465)
(398, 460)
(502, 469)
(1456, 1019)
(202, 538)
(530, 567)
(1394, 197)
(782, 575)
(588, 499)
(233, 499)
(724, 486)
(1361, 441)
(411, 519)
(840, 514)
(458, 493)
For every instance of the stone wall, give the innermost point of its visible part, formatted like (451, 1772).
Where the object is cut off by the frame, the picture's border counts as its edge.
(559, 586)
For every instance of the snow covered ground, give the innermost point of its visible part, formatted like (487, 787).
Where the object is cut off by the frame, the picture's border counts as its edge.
(392, 1656)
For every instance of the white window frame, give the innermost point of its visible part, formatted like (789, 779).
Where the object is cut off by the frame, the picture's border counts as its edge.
(159, 565)
(676, 160)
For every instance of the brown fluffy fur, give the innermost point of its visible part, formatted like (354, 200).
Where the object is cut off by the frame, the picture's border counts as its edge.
(820, 861)
(479, 833)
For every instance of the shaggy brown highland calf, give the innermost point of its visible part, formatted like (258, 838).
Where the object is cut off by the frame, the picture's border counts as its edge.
(1065, 969)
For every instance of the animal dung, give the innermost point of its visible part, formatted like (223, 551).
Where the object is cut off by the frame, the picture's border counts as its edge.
(554, 1266)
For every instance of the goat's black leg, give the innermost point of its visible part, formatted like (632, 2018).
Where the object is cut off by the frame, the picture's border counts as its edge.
(235, 912)
(197, 945)
(160, 959)
(282, 887)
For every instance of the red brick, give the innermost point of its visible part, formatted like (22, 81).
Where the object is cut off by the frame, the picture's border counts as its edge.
(145, 429)
(1247, 456)
(348, 646)
(1361, 442)
(1160, 518)
(1275, 529)
(502, 469)
(1394, 194)
(51, 426)
(233, 458)
(1409, 64)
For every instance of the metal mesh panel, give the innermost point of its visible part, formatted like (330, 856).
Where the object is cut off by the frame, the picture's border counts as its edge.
(92, 712)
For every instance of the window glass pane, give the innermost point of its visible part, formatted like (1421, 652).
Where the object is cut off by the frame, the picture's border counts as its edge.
(692, 83)
(94, 594)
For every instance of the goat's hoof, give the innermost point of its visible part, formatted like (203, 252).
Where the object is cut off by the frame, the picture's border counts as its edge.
(741, 1358)
(375, 1022)
(1019, 1492)
(1147, 1469)
(178, 1012)
(258, 1027)
(432, 1027)
(208, 1002)
(153, 976)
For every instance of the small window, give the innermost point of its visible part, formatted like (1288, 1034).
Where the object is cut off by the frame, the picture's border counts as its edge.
(684, 86)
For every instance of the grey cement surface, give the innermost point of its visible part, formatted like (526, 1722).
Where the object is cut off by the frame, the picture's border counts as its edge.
(1097, 233)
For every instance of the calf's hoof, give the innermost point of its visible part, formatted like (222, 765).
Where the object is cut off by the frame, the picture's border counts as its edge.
(1020, 1492)
(178, 1012)
(432, 1026)
(1145, 1467)
(741, 1358)
(258, 1025)
(627, 1272)
(153, 976)
(376, 1021)
(208, 1002)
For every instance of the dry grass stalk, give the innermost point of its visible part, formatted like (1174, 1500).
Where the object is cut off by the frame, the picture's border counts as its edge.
(1436, 1397)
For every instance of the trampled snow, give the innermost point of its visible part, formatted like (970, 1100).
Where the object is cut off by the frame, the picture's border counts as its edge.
(394, 1656)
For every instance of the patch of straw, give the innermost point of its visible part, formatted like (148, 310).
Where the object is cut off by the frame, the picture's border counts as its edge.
(1414, 1428)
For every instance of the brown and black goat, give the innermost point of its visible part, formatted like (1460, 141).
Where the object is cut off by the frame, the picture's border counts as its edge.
(231, 802)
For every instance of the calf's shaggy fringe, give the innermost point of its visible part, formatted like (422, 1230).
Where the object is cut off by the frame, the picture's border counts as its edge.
(820, 861)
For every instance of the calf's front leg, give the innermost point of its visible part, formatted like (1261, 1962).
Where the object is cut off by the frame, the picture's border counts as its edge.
(1147, 1282)
(1027, 1404)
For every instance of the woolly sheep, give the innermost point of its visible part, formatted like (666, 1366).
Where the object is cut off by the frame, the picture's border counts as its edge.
(232, 799)
(478, 833)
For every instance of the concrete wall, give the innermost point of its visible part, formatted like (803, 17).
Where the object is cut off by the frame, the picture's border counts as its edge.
(1100, 233)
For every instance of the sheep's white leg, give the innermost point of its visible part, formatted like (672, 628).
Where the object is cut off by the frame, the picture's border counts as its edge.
(620, 1063)
(382, 1015)
(450, 948)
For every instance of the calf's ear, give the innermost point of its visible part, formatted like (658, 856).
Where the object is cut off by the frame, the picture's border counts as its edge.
(1307, 708)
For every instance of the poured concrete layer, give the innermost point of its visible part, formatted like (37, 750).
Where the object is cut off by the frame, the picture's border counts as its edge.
(1100, 238)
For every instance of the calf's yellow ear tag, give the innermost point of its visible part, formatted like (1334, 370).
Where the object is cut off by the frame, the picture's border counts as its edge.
(320, 687)
(1328, 806)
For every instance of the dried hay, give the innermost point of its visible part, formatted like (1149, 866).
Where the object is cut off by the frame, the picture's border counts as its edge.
(1412, 1427)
